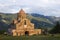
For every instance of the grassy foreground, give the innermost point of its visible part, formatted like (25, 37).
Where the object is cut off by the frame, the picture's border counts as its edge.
(36, 37)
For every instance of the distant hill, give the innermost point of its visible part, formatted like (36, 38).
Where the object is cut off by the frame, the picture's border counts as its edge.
(53, 19)
(40, 21)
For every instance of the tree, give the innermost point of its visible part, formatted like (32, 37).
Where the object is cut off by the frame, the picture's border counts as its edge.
(56, 29)
(45, 31)
(2, 31)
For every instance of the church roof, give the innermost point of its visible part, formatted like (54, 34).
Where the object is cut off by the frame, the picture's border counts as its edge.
(21, 11)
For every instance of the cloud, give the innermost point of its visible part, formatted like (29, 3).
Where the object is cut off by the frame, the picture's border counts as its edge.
(14, 1)
(2, 5)
(45, 7)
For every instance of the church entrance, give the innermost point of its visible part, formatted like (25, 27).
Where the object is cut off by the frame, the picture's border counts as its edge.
(26, 32)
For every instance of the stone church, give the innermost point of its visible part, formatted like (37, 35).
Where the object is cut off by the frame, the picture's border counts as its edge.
(23, 26)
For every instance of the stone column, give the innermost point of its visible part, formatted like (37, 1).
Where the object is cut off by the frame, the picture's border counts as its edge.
(14, 34)
(18, 33)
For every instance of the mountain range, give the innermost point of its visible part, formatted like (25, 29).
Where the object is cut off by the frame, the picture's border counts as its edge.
(39, 20)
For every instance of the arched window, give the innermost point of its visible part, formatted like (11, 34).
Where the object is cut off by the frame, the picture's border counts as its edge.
(25, 22)
(18, 20)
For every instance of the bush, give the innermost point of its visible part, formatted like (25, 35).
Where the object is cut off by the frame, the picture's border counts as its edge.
(2, 31)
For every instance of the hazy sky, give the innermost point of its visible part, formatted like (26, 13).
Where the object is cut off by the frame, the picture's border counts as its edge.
(46, 7)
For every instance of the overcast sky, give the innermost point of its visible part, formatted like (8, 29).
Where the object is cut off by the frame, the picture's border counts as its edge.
(45, 7)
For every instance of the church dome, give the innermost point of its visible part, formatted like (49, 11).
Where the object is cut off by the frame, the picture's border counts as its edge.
(21, 11)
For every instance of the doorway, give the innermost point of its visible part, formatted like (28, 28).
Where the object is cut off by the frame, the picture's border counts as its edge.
(26, 32)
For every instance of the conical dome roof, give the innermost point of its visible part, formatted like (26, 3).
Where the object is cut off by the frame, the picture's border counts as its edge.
(21, 14)
(21, 11)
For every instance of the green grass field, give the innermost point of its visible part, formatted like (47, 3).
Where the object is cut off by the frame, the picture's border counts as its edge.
(36, 37)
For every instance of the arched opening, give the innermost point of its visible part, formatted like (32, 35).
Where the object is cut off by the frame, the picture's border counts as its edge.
(26, 33)
(25, 22)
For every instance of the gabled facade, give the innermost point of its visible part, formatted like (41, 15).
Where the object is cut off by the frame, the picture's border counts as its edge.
(23, 26)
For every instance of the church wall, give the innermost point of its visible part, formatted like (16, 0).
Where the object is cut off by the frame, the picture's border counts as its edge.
(24, 26)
